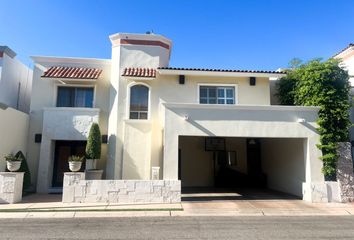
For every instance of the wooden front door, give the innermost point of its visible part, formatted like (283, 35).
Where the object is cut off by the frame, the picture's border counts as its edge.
(63, 150)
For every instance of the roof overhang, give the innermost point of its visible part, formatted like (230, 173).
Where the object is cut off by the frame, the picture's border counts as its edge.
(219, 73)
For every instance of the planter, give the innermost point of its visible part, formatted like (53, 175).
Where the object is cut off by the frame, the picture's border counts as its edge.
(75, 166)
(90, 164)
(13, 166)
(93, 174)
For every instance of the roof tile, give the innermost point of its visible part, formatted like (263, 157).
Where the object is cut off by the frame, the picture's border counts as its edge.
(139, 72)
(72, 72)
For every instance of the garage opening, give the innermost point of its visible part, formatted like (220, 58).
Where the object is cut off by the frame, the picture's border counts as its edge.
(212, 168)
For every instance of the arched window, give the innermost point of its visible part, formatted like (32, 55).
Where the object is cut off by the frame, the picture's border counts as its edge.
(139, 102)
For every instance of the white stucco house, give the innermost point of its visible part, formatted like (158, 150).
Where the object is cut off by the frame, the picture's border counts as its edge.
(15, 81)
(15, 94)
(204, 127)
(346, 56)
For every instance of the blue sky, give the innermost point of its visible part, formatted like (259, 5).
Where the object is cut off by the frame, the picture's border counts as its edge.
(230, 34)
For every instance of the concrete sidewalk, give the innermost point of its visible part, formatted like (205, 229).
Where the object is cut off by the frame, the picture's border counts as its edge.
(50, 206)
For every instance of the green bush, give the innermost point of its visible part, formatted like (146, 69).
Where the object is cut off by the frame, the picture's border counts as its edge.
(93, 146)
(323, 84)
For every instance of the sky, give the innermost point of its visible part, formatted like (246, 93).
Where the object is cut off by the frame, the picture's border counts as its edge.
(227, 34)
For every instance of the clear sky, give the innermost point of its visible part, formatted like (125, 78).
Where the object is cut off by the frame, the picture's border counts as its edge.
(233, 34)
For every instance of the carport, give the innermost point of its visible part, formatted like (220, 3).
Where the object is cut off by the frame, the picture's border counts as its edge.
(241, 168)
(265, 147)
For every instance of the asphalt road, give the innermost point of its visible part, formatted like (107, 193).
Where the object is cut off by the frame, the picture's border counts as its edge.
(180, 228)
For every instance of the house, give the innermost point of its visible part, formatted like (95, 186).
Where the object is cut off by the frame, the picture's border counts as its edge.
(15, 94)
(346, 56)
(15, 81)
(205, 127)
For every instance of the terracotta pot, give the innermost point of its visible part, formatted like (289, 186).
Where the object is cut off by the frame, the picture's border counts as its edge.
(75, 166)
(13, 166)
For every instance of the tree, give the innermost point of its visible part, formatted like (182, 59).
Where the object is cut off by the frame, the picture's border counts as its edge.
(93, 146)
(323, 84)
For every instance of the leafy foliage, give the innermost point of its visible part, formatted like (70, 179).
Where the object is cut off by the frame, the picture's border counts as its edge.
(93, 146)
(323, 84)
(75, 158)
(12, 158)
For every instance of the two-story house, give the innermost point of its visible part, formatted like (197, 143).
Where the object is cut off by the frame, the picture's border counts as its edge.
(205, 127)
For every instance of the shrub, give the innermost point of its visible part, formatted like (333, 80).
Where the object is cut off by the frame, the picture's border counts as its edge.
(326, 85)
(93, 146)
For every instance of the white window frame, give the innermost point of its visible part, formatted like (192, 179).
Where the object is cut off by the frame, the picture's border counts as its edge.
(129, 86)
(57, 85)
(218, 85)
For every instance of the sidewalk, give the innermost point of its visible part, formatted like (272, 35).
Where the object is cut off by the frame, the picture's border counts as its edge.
(50, 206)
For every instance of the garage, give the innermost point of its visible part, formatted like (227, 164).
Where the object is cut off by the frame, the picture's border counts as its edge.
(241, 167)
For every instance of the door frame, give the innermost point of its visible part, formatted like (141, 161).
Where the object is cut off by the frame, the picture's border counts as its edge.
(59, 143)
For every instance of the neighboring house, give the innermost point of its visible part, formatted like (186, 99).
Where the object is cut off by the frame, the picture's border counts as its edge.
(192, 123)
(15, 93)
(15, 81)
(347, 62)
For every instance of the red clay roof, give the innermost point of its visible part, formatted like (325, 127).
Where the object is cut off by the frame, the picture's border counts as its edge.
(219, 70)
(72, 72)
(139, 72)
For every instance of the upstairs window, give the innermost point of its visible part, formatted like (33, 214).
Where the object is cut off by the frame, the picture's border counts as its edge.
(139, 102)
(75, 97)
(217, 95)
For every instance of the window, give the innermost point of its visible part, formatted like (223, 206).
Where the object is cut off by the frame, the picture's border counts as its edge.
(75, 97)
(216, 95)
(139, 101)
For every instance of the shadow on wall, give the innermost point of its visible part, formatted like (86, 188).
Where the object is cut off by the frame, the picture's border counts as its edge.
(245, 114)
(131, 168)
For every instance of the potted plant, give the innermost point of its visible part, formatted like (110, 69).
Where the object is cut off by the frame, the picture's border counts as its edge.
(93, 147)
(13, 163)
(75, 163)
(93, 153)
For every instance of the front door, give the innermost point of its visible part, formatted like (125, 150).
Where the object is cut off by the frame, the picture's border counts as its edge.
(63, 150)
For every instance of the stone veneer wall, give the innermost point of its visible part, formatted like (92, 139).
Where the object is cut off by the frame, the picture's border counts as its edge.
(11, 187)
(345, 174)
(78, 190)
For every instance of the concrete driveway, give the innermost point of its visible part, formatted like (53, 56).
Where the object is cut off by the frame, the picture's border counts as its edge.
(254, 202)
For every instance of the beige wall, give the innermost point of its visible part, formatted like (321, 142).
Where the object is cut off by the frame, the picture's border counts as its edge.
(13, 133)
(283, 161)
(167, 89)
(44, 92)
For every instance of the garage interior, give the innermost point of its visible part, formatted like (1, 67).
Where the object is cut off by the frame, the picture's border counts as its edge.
(212, 168)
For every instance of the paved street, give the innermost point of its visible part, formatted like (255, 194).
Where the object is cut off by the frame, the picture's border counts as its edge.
(334, 227)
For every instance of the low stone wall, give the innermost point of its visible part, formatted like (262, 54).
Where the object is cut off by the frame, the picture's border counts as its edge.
(11, 187)
(345, 174)
(78, 190)
(324, 192)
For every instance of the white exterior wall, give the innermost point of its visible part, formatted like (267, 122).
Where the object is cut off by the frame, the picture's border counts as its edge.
(68, 123)
(15, 83)
(242, 121)
(13, 133)
(119, 125)
(283, 161)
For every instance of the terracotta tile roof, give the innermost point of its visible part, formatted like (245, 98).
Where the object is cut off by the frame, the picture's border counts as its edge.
(139, 72)
(350, 45)
(219, 70)
(72, 72)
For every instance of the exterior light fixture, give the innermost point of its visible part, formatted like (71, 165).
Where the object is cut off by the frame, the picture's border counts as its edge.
(186, 117)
